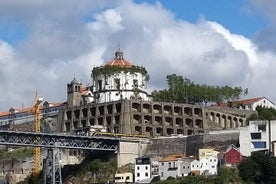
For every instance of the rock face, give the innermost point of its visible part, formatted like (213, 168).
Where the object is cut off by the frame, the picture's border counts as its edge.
(15, 170)
(189, 145)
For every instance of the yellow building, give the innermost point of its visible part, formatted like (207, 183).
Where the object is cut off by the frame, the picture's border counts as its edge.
(207, 152)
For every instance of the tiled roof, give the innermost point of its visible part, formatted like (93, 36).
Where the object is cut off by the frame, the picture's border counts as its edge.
(250, 101)
(28, 109)
(120, 63)
(245, 102)
(171, 158)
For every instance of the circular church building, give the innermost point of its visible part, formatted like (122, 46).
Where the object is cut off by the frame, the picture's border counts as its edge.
(119, 79)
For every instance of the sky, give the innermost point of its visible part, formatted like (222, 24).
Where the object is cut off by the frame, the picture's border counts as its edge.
(44, 44)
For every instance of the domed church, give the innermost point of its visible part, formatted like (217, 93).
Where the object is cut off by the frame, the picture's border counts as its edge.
(119, 79)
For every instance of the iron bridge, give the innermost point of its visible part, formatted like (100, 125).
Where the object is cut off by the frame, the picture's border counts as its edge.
(46, 140)
(54, 142)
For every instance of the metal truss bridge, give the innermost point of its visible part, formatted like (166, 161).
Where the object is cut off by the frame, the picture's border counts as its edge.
(52, 170)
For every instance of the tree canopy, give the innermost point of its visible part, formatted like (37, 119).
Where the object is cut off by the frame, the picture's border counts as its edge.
(183, 90)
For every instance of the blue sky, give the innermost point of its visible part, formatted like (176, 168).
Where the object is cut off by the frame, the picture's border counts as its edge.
(45, 44)
(236, 15)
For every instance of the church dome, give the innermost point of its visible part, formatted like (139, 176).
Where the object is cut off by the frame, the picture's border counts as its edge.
(74, 81)
(119, 60)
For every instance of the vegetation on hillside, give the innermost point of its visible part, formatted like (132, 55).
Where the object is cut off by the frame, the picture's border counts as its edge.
(259, 168)
(16, 153)
(183, 90)
(226, 175)
(264, 113)
(93, 171)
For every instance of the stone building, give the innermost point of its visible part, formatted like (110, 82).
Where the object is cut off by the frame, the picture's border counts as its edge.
(118, 103)
(136, 117)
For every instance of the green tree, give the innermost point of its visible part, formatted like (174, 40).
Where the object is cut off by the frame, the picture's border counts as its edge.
(227, 175)
(183, 90)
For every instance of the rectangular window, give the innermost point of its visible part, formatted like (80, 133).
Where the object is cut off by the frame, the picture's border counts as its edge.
(259, 144)
(262, 127)
(146, 174)
(138, 168)
(162, 174)
(135, 83)
(146, 167)
(138, 174)
(117, 84)
(100, 85)
(256, 135)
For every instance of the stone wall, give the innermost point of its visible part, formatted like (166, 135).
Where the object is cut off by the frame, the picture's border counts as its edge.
(189, 145)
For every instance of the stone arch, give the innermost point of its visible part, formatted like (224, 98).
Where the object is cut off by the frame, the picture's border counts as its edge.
(218, 118)
(223, 121)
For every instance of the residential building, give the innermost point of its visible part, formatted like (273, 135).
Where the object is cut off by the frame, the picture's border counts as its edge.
(232, 155)
(195, 167)
(206, 153)
(124, 177)
(142, 169)
(170, 166)
(255, 137)
(249, 104)
(185, 170)
(208, 161)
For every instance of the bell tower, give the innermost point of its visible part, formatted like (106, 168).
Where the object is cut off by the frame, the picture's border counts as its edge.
(74, 93)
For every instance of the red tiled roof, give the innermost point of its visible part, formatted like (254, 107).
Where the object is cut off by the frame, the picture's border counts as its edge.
(171, 158)
(250, 101)
(245, 102)
(28, 109)
(120, 62)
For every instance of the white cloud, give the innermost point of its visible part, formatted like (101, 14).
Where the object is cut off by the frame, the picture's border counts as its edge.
(61, 45)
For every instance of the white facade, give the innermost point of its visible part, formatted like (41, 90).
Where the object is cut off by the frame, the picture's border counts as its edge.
(120, 86)
(208, 165)
(124, 177)
(142, 169)
(119, 80)
(185, 169)
(255, 137)
(170, 168)
(263, 102)
(195, 165)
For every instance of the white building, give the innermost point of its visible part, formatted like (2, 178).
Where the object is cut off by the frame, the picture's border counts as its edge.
(124, 177)
(208, 161)
(257, 136)
(119, 79)
(208, 165)
(170, 165)
(195, 167)
(142, 169)
(249, 104)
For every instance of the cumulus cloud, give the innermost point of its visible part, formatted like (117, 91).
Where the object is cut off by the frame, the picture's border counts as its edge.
(68, 43)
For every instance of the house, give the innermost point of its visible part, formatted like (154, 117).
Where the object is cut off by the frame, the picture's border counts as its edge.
(208, 161)
(170, 166)
(195, 167)
(186, 167)
(257, 136)
(207, 152)
(248, 104)
(123, 177)
(142, 169)
(232, 155)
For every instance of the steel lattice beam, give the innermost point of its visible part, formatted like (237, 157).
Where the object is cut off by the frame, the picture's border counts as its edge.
(46, 140)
